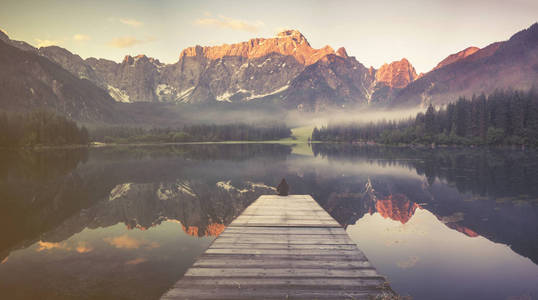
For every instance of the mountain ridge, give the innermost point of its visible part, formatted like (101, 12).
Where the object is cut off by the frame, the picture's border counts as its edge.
(286, 71)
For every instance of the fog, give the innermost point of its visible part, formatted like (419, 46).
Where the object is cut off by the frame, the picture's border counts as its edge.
(339, 116)
(168, 115)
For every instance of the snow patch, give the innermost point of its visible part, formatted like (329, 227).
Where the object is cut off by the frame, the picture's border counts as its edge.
(255, 96)
(251, 94)
(227, 185)
(119, 191)
(118, 95)
(260, 185)
(164, 91)
(185, 188)
(264, 62)
(225, 96)
(184, 94)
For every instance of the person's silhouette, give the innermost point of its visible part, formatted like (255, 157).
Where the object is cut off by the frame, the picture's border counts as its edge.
(283, 188)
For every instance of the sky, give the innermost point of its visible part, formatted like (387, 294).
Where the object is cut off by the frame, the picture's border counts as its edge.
(375, 32)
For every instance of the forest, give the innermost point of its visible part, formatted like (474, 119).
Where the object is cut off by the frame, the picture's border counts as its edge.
(40, 128)
(191, 133)
(501, 118)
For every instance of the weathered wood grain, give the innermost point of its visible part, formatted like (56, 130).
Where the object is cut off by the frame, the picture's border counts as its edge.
(282, 248)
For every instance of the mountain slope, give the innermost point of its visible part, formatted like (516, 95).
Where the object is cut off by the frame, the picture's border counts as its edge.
(512, 64)
(334, 80)
(456, 57)
(29, 81)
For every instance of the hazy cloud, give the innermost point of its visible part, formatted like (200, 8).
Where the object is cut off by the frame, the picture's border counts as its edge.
(81, 37)
(135, 261)
(83, 247)
(131, 22)
(229, 23)
(127, 242)
(45, 43)
(128, 41)
(124, 241)
(408, 263)
(50, 246)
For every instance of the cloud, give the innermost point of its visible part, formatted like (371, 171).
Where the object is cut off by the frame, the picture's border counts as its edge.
(131, 22)
(135, 261)
(81, 37)
(5, 32)
(50, 246)
(409, 263)
(124, 42)
(45, 43)
(82, 247)
(126, 242)
(229, 23)
(129, 41)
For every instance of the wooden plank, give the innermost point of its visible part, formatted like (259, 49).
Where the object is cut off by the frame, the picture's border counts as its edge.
(319, 245)
(281, 243)
(280, 272)
(282, 230)
(281, 292)
(343, 283)
(279, 248)
(288, 256)
(279, 263)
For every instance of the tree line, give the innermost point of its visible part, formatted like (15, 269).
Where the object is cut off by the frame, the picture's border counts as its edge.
(502, 118)
(40, 128)
(191, 133)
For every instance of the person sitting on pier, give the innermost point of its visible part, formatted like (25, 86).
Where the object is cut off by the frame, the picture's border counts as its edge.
(283, 188)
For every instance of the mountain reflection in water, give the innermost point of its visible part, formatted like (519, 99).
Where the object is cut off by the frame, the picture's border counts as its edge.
(125, 223)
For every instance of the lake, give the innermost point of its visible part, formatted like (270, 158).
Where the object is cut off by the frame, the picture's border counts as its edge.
(127, 222)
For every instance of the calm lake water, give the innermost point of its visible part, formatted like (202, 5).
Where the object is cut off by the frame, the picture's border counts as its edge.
(126, 223)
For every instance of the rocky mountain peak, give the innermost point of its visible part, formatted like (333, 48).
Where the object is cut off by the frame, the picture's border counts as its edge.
(397, 74)
(288, 42)
(456, 57)
(128, 59)
(3, 36)
(294, 35)
(342, 52)
(396, 207)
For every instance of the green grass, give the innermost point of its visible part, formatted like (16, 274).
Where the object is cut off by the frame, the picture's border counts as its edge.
(298, 141)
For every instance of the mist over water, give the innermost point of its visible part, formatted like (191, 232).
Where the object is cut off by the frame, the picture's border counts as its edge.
(127, 222)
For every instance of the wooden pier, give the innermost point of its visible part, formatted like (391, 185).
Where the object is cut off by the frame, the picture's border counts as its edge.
(282, 247)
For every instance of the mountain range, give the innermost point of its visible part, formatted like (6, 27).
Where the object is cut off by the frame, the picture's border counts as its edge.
(284, 71)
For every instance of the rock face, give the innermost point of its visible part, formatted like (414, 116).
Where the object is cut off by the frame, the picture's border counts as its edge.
(397, 74)
(396, 207)
(390, 79)
(288, 42)
(331, 81)
(512, 64)
(456, 57)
